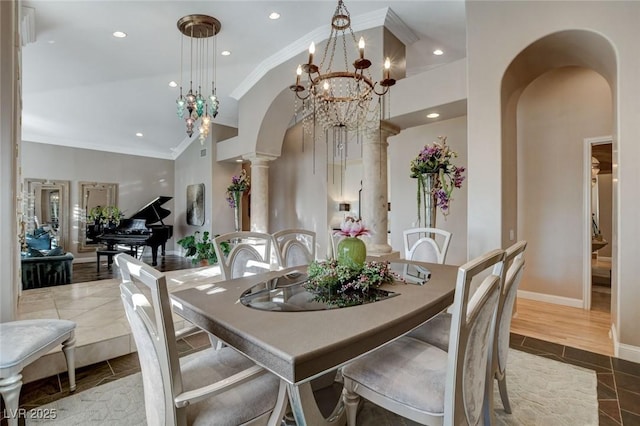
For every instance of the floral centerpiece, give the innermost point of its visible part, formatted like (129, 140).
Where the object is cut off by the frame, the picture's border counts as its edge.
(346, 283)
(437, 177)
(239, 185)
(351, 248)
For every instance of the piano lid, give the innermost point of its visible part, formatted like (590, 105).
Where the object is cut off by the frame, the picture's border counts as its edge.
(152, 212)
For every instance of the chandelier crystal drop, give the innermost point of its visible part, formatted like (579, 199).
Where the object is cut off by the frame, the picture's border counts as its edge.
(200, 102)
(345, 98)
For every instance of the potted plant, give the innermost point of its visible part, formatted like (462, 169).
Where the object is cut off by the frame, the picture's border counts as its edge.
(201, 248)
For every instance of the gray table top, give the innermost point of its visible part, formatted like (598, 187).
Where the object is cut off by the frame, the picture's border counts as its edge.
(298, 346)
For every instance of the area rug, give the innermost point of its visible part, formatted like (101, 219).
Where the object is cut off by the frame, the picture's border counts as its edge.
(541, 391)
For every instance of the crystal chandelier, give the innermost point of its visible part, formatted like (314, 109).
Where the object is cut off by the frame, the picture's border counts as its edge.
(341, 98)
(200, 102)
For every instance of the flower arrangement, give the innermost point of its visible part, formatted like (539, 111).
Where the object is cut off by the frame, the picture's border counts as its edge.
(352, 227)
(346, 284)
(239, 184)
(437, 159)
(107, 215)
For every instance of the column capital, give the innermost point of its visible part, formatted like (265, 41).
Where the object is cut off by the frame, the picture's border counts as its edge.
(259, 159)
(389, 128)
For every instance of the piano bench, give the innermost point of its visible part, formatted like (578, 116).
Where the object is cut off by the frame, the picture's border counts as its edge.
(110, 254)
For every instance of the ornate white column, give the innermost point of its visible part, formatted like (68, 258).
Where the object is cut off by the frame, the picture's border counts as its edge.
(259, 191)
(374, 187)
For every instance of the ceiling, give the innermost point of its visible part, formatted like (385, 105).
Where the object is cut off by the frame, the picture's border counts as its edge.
(82, 87)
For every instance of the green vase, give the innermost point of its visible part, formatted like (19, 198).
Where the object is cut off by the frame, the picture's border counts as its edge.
(352, 249)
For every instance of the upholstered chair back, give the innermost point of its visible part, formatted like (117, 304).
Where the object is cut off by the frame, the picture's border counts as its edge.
(514, 260)
(251, 253)
(296, 247)
(148, 309)
(471, 338)
(426, 244)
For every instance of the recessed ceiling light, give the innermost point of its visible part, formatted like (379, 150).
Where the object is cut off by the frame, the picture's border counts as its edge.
(225, 53)
(173, 84)
(238, 160)
(433, 115)
(438, 52)
(139, 135)
(274, 15)
(119, 34)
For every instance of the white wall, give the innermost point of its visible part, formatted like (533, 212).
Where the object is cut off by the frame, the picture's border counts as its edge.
(402, 149)
(139, 179)
(555, 114)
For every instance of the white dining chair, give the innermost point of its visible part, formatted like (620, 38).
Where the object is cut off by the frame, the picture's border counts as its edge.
(426, 244)
(295, 247)
(251, 253)
(21, 343)
(424, 383)
(206, 387)
(436, 330)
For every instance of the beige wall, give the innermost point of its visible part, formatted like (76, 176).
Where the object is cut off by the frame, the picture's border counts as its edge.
(191, 167)
(555, 114)
(605, 211)
(486, 67)
(9, 151)
(139, 179)
(402, 149)
(298, 196)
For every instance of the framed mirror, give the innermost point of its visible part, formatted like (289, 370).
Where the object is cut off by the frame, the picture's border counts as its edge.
(92, 197)
(48, 208)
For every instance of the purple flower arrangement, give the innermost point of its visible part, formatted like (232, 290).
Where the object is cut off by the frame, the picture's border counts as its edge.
(239, 185)
(437, 159)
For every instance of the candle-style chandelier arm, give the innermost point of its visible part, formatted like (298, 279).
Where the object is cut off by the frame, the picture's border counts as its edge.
(341, 98)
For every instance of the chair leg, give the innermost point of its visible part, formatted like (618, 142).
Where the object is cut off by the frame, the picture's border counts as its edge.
(69, 350)
(351, 401)
(502, 387)
(10, 391)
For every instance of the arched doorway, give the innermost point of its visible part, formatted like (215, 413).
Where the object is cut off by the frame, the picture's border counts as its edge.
(556, 93)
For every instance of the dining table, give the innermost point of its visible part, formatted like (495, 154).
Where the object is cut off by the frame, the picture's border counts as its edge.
(269, 318)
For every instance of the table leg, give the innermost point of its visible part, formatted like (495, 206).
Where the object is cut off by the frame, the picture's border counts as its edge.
(306, 411)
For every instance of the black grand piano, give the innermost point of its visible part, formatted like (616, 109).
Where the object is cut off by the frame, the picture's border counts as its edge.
(141, 229)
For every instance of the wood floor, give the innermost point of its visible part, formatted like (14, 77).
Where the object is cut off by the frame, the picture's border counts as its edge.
(574, 327)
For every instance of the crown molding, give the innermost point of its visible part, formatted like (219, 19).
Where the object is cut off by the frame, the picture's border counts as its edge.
(399, 29)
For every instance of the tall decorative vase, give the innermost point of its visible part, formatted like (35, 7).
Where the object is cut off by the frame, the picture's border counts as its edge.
(237, 210)
(352, 249)
(427, 202)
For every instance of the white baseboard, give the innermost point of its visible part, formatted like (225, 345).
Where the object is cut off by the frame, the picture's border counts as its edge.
(622, 350)
(549, 298)
(628, 352)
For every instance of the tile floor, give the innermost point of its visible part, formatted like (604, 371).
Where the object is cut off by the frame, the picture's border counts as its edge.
(102, 330)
